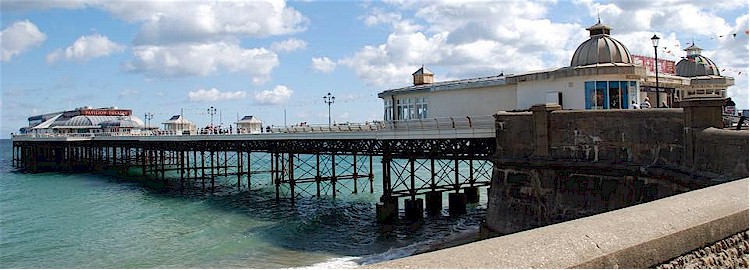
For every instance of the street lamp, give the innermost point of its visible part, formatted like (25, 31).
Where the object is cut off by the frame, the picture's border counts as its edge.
(148, 117)
(655, 41)
(329, 99)
(212, 112)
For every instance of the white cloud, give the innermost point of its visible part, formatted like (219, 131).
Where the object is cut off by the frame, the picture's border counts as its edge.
(467, 39)
(323, 64)
(378, 16)
(289, 45)
(18, 38)
(279, 95)
(85, 48)
(203, 59)
(23, 5)
(213, 94)
(199, 21)
(129, 93)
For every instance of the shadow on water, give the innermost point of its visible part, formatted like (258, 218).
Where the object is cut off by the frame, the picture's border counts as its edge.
(344, 226)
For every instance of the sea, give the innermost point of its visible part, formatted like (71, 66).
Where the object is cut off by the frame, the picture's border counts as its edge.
(91, 220)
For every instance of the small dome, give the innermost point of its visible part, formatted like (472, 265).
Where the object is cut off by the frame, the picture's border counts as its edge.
(600, 48)
(87, 120)
(695, 64)
(121, 122)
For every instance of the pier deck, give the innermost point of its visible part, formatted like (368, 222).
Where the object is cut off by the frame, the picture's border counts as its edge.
(418, 157)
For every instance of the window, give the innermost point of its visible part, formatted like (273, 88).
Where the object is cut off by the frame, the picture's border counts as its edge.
(388, 111)
(422, 111)
(407, 108)
(608, 94)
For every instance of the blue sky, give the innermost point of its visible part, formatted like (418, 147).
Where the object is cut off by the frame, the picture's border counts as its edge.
(264, 58)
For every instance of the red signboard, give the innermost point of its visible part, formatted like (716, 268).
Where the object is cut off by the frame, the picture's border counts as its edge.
(665, 66)
(105, 112)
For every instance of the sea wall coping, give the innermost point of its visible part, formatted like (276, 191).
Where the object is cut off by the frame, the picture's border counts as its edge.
(639, 236)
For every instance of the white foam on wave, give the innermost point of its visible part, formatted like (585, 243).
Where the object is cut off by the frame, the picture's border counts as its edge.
(334, 263)
(392, 254)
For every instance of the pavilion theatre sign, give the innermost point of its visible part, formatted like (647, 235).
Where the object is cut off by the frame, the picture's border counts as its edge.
(106, 112)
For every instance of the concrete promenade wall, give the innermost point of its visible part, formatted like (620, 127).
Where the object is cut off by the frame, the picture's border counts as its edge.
(639, 236)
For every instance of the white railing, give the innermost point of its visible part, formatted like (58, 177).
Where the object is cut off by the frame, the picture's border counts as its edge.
(483, 122)
(443, 123)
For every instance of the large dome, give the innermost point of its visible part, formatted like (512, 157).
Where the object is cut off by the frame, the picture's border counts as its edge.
(696, 64)
(600, 48)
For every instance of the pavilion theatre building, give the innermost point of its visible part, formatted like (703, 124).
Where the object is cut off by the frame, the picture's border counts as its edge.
(602, 75)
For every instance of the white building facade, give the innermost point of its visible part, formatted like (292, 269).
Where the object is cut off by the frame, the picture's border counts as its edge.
(602, 75)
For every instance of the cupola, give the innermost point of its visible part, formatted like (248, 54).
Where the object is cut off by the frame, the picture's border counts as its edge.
(423, 76)
(600, 48)
(695, 64)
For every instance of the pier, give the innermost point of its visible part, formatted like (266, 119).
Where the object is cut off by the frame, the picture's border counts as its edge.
(420, 159)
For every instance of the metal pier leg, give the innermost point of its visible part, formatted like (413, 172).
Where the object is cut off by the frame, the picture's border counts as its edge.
(239, 171)
(249, 170)
(213, 166)
(203, 170)
(371, 177)
(317, 176)
(291, 176)
(355, 174)
(182, 169)
(333, 174)
(412, 179)
(274, 175)
(143, 162)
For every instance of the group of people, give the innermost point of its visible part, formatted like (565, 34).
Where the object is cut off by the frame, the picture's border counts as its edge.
(645, 104)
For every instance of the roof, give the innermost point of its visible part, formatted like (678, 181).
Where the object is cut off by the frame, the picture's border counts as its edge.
(450, 85)
(598, 29)
(600, 49)
(47, 123)
(696, 65)
(423, 70)
(120, 122)
(249, 119)
(177, 119)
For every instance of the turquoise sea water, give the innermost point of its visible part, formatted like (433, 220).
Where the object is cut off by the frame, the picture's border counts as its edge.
(84, 220)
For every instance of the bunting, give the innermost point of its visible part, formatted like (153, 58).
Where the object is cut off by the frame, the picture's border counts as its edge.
(723, 36)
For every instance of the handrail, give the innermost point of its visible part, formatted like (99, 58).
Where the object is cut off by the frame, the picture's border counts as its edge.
(439, 123)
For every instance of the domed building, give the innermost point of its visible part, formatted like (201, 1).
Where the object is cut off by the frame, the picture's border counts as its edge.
(602, 75)
(600, 48)
(704, 75)
(86, 120)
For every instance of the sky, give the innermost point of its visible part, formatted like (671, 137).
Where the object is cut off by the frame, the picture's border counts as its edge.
(277, 59)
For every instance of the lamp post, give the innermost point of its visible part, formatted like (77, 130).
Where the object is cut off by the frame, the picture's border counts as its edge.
(212, 112)
(655, 42)
(329, 99)
(148, 116)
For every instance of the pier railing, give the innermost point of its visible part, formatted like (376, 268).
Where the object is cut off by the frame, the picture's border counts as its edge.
(441, 124)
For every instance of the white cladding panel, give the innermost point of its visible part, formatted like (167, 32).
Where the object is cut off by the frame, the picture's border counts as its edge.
(572, 88)
(467, 102)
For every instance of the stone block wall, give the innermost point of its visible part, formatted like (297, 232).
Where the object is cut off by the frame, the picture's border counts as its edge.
(553, 165)
(618, 136)
(514, 134)
(723, 152)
